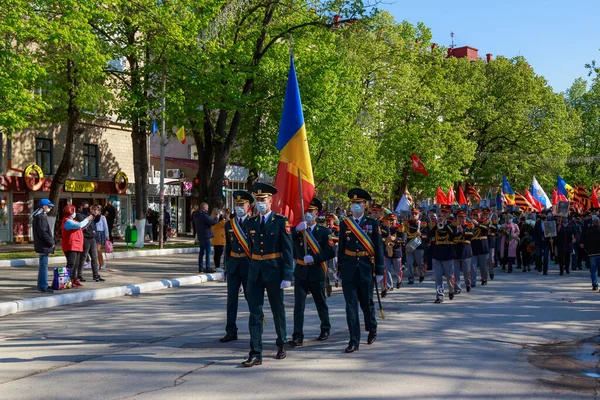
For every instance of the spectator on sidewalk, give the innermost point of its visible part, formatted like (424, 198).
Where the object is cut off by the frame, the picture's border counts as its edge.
(204, 233)
(102, 233)
(149, 222)
(166, 224)
(194, 210)
(43, 241)
(89, 244)
(72, 240)
(110, 213)
(218, 241)
(591, 244)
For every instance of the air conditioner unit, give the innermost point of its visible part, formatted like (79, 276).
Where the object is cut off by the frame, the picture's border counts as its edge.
(157, 174)
(173, 173)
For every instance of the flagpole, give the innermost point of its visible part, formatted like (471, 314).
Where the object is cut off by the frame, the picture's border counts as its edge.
(302, 206)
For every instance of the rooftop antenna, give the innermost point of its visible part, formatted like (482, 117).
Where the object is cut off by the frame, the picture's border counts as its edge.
(452, 36)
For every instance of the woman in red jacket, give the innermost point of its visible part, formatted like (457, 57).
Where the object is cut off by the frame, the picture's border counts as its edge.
(72, 240)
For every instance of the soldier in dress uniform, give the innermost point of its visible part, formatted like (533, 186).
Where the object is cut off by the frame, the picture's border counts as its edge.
(414, 227)
(393, 237)
(333, 224)
(360, 257)
(442, 236)
(464, 253)
(236, 259)
(492, 224)
(271, 269)
(377, 211)
(479, 244)
(311, 271)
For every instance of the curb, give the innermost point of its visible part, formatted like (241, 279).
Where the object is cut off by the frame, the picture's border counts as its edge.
(17, 306)
(34, 262)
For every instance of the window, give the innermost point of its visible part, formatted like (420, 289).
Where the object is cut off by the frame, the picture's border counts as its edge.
(44, 155)
(90, 160)
(192, 152)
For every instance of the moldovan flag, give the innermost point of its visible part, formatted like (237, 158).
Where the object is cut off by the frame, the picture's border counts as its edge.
(181, 135)
(294, 158)
(565, 191)
(508, 192)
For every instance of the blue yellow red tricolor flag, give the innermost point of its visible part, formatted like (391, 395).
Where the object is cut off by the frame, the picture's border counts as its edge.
(294, 157)
(508, 192)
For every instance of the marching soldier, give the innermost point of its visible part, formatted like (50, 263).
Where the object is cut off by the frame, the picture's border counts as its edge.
(311, 271)
(333, 224)
(492, 224)
(393, 238)
(237, 252)
(414, 227)
(442, 236)
(360, 257)
(271, 268)
(479, 244)
(462, 247)
(376, 211)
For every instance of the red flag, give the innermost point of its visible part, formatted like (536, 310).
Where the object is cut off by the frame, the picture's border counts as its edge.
(417, 165)
(451, 197)
(595, 203)
(441, 197)
(536, 204)
(555, 197)
(461, 197)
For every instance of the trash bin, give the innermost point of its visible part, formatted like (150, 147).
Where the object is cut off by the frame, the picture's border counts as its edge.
(131, 236)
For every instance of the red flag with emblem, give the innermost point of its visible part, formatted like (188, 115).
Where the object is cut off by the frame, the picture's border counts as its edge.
(417, 165)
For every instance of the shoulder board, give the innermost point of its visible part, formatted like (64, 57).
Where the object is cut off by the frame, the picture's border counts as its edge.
(255, 218)
(279, 216)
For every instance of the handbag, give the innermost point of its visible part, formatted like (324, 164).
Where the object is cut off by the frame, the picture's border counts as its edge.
(414, 242)
(62, 279)
(108, 246)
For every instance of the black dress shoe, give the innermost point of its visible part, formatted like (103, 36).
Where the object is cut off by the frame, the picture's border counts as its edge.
(251, 362)
(80, 279)
(398, 285)
(323, 336)
(451, 296)
(280, 353)
(421, 279)
(372, 337)
(411, 282)
(351, 348)
(438, 301)
(294, 343)
(384, 293)
(228, 338)
(492, 276)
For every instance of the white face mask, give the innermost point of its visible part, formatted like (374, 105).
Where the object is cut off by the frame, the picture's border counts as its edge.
(240, 211)
(310, 217)
(261, 206)
(74, 215)
(356, 208)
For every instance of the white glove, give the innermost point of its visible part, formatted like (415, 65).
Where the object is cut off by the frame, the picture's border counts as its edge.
(336, 276)
(301, 226)
(308, 259)
(285, 284)
(379, 278)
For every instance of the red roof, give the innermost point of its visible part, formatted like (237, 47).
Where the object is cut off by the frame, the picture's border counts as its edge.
(181, 161)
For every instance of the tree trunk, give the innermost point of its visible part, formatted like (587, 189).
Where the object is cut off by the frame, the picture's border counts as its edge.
(403, 183)
(73, 131)
(252, 178)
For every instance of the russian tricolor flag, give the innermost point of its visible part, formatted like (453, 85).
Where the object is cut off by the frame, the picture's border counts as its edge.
(294, 158)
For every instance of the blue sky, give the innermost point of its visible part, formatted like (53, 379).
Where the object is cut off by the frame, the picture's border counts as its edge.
(557, 37)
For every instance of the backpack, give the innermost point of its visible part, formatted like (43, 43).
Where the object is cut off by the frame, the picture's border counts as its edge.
(62, 279)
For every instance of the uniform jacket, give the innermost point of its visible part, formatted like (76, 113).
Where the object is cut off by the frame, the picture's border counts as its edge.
(235, 264)
(349, 266)
(443, 242)
(411, 227)
(276, 238)
(314, 272)
(479, 241)
(462, 242)
(397, 231)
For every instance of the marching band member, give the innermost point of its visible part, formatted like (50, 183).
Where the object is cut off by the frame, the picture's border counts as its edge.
(393, 237)
(479, 245)
(443, 255)
(414, 227)
(333, 224)
(462, 247)
(492, 224)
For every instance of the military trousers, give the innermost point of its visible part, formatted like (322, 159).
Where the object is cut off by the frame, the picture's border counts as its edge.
(392, 269)
(443, 269)
(491, 259)
(255, 294)
(317, 289)
(479, 261)
(413, 257)
(462, 265)
(359, 292)
(234, 281)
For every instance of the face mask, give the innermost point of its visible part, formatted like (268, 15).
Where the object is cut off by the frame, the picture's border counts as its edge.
(73, 215)
(261, 206)
(356, 208)
(240, 211)
(309, 218)
(594, 217)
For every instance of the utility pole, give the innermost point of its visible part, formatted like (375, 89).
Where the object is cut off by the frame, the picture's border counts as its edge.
(452, 36)
(163, 143)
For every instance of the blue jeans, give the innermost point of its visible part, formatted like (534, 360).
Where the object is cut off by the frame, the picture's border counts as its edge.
(42, 283)
(594, 264)
(542, 253)
(204, 250)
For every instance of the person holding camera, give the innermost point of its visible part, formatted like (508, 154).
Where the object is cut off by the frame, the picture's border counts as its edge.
(204, 233)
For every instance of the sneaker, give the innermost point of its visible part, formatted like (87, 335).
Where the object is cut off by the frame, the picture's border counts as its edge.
(80, 279)
(87, 265)
(595, 288)
(421, 279)
(76, 283)
(99, 279)
(468, 289)
(47, 290)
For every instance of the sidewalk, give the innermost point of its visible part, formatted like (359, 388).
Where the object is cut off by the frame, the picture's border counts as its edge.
(19, 283)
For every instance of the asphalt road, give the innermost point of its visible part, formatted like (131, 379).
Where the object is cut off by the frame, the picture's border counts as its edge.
(495, 343)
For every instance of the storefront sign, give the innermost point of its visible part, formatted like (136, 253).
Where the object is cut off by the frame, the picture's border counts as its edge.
(80, 186)
(31, 182)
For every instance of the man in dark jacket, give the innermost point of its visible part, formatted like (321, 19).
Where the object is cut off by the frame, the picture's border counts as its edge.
(564, 244)
(591, 244)
(43, 241)
(110, 213)
(542, 244)
(89, 244)
(203, 223)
